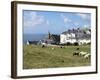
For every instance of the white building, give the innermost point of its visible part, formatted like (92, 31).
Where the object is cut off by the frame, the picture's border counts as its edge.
(64, 38)
(75, 35)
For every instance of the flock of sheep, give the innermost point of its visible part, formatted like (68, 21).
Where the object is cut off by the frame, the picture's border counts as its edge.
(85, 55)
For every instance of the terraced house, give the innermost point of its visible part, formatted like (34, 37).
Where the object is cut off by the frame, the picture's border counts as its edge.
(80, 36)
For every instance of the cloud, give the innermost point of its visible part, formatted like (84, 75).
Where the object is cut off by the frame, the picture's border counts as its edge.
(65, 19)
(83, 16)
(32, 19)
(76, 24)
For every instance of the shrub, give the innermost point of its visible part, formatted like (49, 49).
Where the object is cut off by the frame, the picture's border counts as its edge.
(76, 44)
(68, 44)
(89, 43)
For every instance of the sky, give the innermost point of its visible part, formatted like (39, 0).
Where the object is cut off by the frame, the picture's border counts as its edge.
(42, 22)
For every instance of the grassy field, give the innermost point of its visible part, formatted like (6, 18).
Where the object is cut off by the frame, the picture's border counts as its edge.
(37, 57)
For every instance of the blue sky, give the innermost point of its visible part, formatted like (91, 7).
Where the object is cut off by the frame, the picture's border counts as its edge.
(40, 22)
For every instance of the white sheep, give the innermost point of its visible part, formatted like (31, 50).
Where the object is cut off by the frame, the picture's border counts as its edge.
(82, 53)
(52, 48)
(87, 56)
(44, 45)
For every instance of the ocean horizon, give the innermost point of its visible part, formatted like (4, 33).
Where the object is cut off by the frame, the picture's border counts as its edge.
(33, 37)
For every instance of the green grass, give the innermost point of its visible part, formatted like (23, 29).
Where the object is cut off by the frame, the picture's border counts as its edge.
(37, 57)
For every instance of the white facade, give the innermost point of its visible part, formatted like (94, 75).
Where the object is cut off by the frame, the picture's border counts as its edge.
(65, 38)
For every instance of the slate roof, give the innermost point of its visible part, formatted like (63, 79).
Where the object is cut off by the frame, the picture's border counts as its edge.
(55, 37)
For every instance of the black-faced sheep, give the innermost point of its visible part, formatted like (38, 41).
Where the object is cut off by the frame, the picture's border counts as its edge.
(76, 53)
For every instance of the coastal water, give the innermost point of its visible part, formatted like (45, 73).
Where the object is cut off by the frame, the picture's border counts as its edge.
(33, 37)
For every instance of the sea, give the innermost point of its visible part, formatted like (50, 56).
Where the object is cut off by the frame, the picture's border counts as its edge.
(33, 37)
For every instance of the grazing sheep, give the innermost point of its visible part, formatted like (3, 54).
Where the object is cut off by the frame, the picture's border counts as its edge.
(52, 48)
(82, 53)
(88, 55)
(43, 45)
(76, 53)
